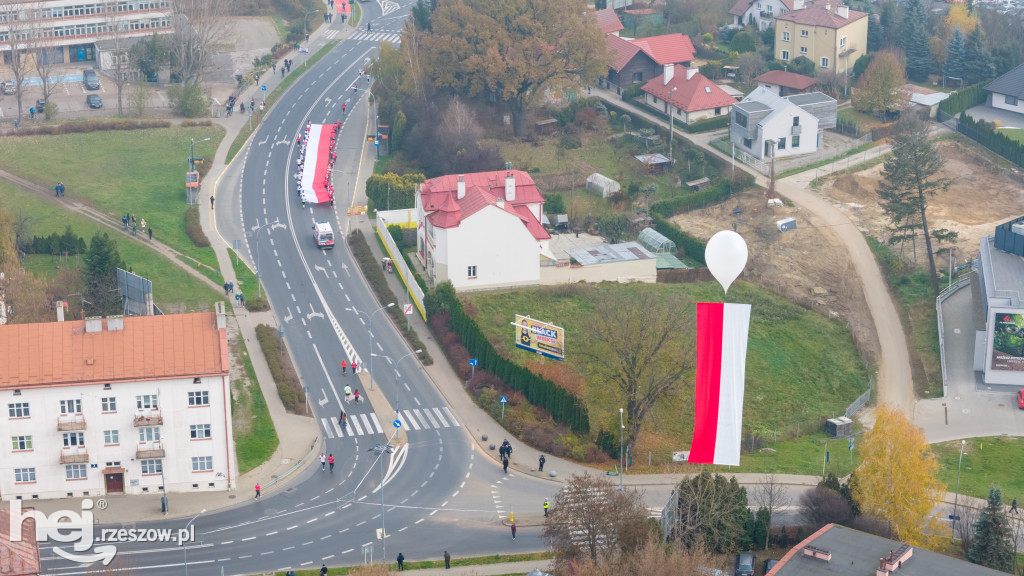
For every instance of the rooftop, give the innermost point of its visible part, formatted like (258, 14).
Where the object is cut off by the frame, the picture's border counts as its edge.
(695, 93)
(740, 8)
(95, 350)
(606, 253)
(809, 98)
(608, 21)
(753, 106)
(665, 49)
(823, 15)
(787, 79)
(19, 558)
(1011, 83)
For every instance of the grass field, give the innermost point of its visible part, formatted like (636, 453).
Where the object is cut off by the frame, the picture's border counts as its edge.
(173, 288)
(1013, 134)
(800, 365)
(137, 171)
(255, 436)
(987, 462)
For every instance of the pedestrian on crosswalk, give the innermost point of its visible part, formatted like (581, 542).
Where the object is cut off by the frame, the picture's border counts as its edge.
(344, 420)
(348, 389)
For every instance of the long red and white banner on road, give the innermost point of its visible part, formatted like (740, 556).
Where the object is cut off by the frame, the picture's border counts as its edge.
(721, 367)
(315, 176)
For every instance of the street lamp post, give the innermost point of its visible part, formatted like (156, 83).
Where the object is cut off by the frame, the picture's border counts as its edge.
(379, 450)
(369, 333)
(397, 363)
(305, 20)
(184, 543)
(671, 124)
(256, 236)
(957, 496)
(622, 428)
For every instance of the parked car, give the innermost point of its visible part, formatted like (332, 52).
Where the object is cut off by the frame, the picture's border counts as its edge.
(745, 564)
(8, 87)
(40, 106)
(769, 564)
(94, 101)
(90, 79)
(1020, 398)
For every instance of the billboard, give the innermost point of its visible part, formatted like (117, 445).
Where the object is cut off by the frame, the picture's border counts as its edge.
(540, 337)
(1008, 342)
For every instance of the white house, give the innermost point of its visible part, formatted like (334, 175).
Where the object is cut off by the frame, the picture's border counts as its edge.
(481, 230)
(116, 405)
(686, 94)
(791, 124)
(759, 13)
(1007, 91)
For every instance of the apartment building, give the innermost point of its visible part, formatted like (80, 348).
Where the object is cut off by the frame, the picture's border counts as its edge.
(116, 406)
(828, 34)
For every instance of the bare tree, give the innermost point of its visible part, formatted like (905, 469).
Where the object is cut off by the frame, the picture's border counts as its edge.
(119, 65)
(15, 22)
(197, 25)
(44, 53)
(821, 505)
(655, 559)
(770, 494)
(963, 529)
(139, 94)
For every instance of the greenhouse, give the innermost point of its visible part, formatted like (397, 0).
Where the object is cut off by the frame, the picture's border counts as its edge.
(656, 242)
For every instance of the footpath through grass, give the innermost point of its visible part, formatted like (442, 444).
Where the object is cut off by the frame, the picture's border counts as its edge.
(255, 299)
(120, 171)
(456, 563)
(174, 289)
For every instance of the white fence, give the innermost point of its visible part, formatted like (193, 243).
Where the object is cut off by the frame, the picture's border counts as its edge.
(401, 218)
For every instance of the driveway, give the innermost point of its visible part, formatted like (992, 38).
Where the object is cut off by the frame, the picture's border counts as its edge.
(1006, 118)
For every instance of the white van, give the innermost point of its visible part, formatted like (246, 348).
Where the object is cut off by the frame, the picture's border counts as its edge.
(324, 235)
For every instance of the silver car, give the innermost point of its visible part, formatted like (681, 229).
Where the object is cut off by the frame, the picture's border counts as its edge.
(8, 87)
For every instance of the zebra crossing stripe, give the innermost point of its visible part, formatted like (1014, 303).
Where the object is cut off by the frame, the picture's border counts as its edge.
(353, 421)
(441, 418)
(376, 423)
(410, 420)
(366, 422)
(421, 418)
(431, 418)
(452, 416)
(337, 428)
(327, 429)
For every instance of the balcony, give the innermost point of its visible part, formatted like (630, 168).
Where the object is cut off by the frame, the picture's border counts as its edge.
(148, 417)
(767, 15)
(70, 422)
(796, 130)
(74, 455)
(149, 450)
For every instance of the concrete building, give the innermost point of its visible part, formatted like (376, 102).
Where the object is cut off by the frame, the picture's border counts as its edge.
(828, 34)
(759, 13)
(765, 124)
(687, 95)
(116, 405)
(1007, 91)
(999, 311)
(67, 31)
(625, 262)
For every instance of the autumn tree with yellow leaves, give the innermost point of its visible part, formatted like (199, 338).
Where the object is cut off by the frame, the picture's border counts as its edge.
(896, 479)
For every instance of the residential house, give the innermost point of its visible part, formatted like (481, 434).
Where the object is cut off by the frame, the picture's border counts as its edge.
(765, 124)
(759, 13)
(925, 98)
(481, 230)
(828, 34)
(1007, 91)
(783, 83)
(608, 21)
(116, 406)
(686, 94)
(639, 60)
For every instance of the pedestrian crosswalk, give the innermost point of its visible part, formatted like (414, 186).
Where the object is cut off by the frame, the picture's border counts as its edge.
(393, 38)
(330, 33)
(412, 420)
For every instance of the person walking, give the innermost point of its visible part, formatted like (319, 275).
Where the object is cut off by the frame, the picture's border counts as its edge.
(541, 462)
(354, 367)
(348, 393)
(344, 367)
(401, 561)
(56, 190)
(323, 462)
(1013, 506)
(344, 420)
(513, 530)
(150, 232)
(504, 464)
(323, 570)
(356, 395)
(330, 462)
(257, 491)
(546, 503)
(211, 201)
(447, 560)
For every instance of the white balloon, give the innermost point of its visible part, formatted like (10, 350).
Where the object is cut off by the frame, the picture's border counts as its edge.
(726, 255)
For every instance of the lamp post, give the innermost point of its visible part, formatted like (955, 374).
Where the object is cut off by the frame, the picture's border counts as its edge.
(305, 19)
(379, 450)
(184, 543)
(256, 235)
(957, 496)
(396, 363)
(622, 429)
(671, 124)
(369, 333)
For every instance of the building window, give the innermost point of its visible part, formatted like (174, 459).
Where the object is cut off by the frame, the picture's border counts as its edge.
(110, 437)
(75, 471)
(20, 443)
(71, 406)
(74, 439)
(146, 401)
(24, 474)
(785, 36)
(109, 404)
(638, 76)
(782, 143)
(785, 55)
(748, 143)
(199, 398)
(824, 62)
(151, 434)
(202, 463)
(18, 410)
(1010, 100)
(803, 33)
(803, 49)
(471, 272)
(842, 42)
(152, 466)
(740, 119)
(200, 431)
(796, 120)
(718, 111)
(796, 141)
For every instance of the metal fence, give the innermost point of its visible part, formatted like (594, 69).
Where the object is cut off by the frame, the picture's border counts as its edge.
(859, 402)
(964, 280)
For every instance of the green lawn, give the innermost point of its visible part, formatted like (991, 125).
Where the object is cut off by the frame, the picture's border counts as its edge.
(987, 462)
(173, 288)
(865, 121)
(255, 436)
(800, 365)
(1013, 134)
(119, 171)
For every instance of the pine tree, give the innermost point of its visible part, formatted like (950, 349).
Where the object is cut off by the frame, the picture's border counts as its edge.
(992, 545)
(876, 35)
(977, 60)
(955, 51)
(913, 38)
(101, 264)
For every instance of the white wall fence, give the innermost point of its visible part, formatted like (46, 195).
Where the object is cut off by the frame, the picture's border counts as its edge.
(402, 218)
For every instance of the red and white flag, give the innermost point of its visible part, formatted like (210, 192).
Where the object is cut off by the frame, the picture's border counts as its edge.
(721, 365)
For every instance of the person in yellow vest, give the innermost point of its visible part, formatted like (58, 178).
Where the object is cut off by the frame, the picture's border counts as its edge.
(546, 507)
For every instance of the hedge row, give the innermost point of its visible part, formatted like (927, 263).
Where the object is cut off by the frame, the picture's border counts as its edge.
(194, 227)
(281, 369)
(964, 99)
(67, 243)
(392, 190)
(687, 201)
(98, 125)
(707, 125)
(564, 407)
(987, 136)
(690, 246)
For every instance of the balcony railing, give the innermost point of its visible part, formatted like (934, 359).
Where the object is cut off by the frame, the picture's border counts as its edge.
(153, 450)
(74, 455)
(148, 417)
(767, 15)
(69, 422)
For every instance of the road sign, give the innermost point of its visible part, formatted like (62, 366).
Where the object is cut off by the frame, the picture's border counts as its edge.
(473, 361)
(264, 88)
(376, 142)
(951, 517)
(408, 309)
(503, 400)
(397, 423)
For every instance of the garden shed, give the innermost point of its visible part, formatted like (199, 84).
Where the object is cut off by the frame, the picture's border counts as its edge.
(656, 242)
(603, 185)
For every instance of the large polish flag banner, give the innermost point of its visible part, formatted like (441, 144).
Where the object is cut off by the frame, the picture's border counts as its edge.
(315, 167)
(721, 366)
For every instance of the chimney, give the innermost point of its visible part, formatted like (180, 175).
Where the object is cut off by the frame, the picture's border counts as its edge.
(670, 70)
(115, 323)
(60, 311)
(690, 72)
(828, 6)
(461, 188)
(510, 187)
(843, 11)
(222, 319)
(500, 202)
(93, 324)
(798, 4)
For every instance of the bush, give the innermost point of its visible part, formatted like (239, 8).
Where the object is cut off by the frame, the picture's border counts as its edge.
(632, 91)
(742, 42)
(96, 125)
(708, 124)
(393, 190)
(281, 368)
(963, 99)
(712, 70)
(685, 202)
(194, 228)
(554, 204)
(690, 246)
(570, 142)
(187, 100)
(997, 142)
(192, 123)
(68, 243)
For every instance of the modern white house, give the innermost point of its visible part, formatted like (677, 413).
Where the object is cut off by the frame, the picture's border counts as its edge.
(1007, 91)
(116, 406)
(481, 230)
(765, 124)
(759, 13)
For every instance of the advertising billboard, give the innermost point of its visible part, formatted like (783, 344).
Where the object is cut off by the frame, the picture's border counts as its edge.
(1008, 342)
(540, 337)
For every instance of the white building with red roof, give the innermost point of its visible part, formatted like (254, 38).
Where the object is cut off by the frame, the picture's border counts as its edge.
(481, 230)
(687, 94)
(759, 13)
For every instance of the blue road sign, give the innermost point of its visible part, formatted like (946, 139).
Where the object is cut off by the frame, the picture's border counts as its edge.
(397, 423)
(264, 88)
(851, 446)
(951, 517)
(472, 361)
(503, 400)
(376, 142)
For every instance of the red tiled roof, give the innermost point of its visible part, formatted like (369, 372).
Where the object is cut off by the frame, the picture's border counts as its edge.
(483, 189)
(432, 191)
(740, 8)
(608, 21)
(147, 348)
(697, 93)
(447, 215)
(787, 79)
(19, 558)
(621, 50)
(667, 48)
(817, 15)
(535, 227)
